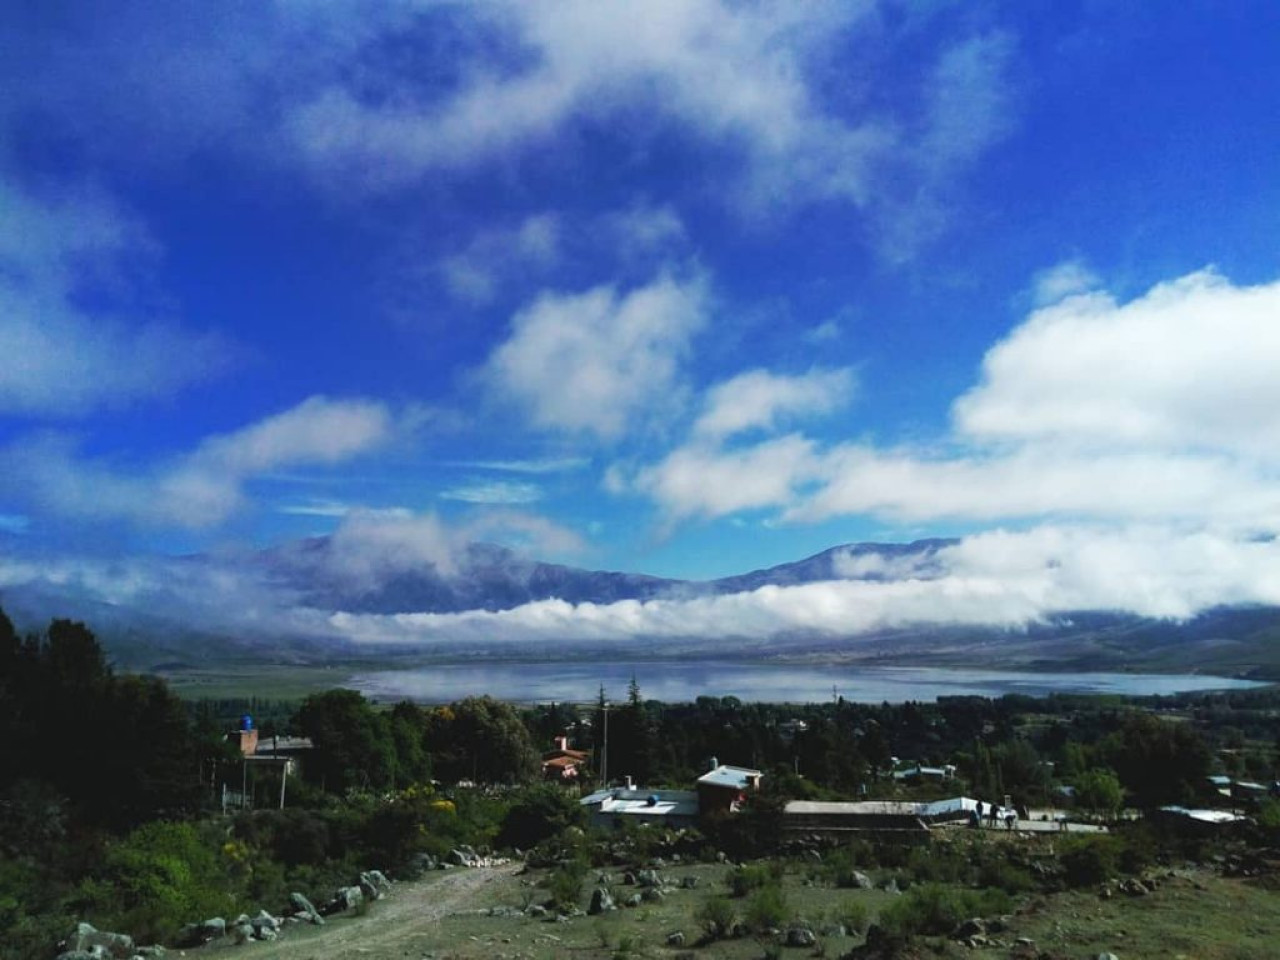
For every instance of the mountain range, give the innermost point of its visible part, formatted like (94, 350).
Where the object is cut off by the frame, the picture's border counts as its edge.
(276, 603)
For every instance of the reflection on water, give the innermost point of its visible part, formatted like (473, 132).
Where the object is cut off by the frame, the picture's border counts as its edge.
(676, 681)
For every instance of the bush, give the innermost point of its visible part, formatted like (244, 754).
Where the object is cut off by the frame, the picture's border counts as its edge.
(767, 908)
(716, 917)
(537, 814)
(742, 880)
(1089, 860)
(935, 910)
(164, 875)
(564, 885)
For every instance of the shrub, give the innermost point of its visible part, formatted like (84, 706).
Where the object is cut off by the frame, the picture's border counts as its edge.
(1089, 860)
(934, 910)
(716, 917)
(742, 880)
(767, 908)
(565, 885)
(537, 814)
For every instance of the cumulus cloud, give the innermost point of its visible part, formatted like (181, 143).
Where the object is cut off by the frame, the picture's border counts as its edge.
(203, 487)
(597, 362)
(757, 399)
(1188, 365)
(64, 359)
(1165, 408)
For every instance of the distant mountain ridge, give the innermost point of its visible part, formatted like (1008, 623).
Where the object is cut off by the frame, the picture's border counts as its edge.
(298, 585)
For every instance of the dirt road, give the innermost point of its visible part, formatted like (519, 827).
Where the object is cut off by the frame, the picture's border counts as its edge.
(396, 926)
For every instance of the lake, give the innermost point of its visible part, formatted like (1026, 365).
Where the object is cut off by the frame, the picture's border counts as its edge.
(685, 680)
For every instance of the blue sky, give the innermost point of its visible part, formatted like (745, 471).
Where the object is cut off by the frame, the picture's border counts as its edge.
(686, 287)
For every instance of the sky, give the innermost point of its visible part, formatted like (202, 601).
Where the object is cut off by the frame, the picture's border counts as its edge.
(687, 288)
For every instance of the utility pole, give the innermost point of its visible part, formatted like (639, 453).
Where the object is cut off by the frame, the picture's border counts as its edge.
(604, 755)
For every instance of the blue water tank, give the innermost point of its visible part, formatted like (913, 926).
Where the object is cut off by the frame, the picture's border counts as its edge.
(246, 722)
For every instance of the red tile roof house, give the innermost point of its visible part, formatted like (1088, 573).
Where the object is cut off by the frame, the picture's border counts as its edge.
(562, 764)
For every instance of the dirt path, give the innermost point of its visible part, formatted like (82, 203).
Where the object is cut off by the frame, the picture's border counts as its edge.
(394, 924)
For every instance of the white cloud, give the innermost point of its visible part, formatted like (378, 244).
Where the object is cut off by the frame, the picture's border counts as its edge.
(494, 491)
(596, 362)
(475, 274)
(1066, 279)
(737, 74)
(1189, 365)
(61, 358)
(698, 480)
(1000, 580)
(1165, 408)
(535, 466)
(204, 487)
(757, 399)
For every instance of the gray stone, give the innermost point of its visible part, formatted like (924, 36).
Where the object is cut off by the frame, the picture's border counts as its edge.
(242, 932)
(633, 901)
(689, 883)
(1107, 956)
(346, 898)
(801, 937)
(213, 928)
(970, 928)
(601, 902)
(861, 881)
(652, 895)
(675, 939)
(302, 905)
(265, 921)
(536, 910)
(649, 878)
(86, 938)
(461, 857)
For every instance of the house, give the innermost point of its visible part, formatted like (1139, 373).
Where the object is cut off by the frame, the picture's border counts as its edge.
(814, 816)
(937, 774)
(562, 764)
(616, 806)
(724, 788)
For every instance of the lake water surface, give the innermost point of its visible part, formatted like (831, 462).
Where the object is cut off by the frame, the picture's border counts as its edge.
(685, 680)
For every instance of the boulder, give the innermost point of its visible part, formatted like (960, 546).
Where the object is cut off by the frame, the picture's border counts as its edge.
(461, 857)
(304, 909)
(242, 932)
(213, 928)
(633, 901)
(675, 939)
(601, 902)
(86, 938)
(689, 883)
(265, 921)
(346, 898)
(970, 928)
(652, 895)
(536, 910)
(860, 881)
(801, 937)
(649, 878)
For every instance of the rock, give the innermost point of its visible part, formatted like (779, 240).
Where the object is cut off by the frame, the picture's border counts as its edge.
(891, 886)
(601, 902)
(649, 878)
(213, 928)
(536, 910)
(153, 952)
(861, 881)
(720, 856)
(1107, 956)
(267, 934)
(265, 921)
(242, 932)
(379, 880)
(95, 953)
(970, 928)
(633, 901)
(652, 895)
(304, 909)
(675, 939)
(461, 857)
(813, 855)
(346, 898)
(87, 938)
(689, 883)
(835, 930)
(801, 937)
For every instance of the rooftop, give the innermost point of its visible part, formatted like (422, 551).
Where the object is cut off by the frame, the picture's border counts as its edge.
(734, 778)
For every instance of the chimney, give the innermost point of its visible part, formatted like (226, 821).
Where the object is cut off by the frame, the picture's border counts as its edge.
(630, 784)
(715, 762)
(562, 743)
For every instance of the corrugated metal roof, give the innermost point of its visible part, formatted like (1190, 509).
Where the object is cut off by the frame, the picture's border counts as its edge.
(647, 803)
(736, 778)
